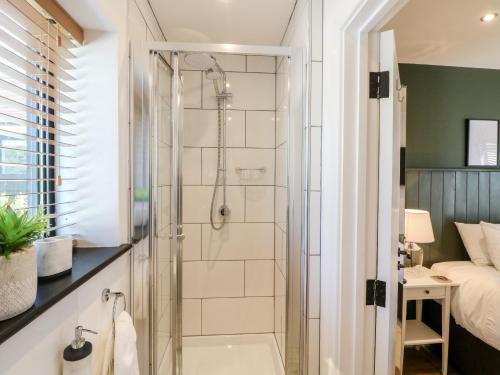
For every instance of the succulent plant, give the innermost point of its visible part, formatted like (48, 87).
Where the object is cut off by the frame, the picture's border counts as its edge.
(19, 229)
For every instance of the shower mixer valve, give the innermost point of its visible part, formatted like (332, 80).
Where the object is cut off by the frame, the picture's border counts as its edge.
(224, 211)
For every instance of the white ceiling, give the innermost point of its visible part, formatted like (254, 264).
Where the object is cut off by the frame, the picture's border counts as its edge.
(224, 21)
(448, 32)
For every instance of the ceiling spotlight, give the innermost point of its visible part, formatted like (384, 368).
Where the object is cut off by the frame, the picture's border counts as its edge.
(489, 17)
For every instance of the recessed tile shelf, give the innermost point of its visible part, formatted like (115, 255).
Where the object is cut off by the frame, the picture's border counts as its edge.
(86, 263)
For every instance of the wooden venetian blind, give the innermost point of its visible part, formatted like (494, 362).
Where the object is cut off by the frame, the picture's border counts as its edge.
(37, 132)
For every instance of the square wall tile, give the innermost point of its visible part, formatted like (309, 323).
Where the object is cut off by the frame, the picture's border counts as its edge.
(191, 317)
(315, 158)
(314, 223)
(192, 243)
(314, 285)
(238, 241)
(316, 93)
(259, 278)
(206, 279)
(191, 166)
(246, 158)
(261, 64)
(237, 315)
(201, 128)
(260, 129)
(251, 91)
(259, 204)
(192, 89)
(197, 199)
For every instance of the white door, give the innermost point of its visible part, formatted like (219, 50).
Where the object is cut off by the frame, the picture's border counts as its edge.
(389, 207)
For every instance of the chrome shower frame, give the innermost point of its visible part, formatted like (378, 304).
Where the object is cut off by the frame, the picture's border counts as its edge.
(142, 105)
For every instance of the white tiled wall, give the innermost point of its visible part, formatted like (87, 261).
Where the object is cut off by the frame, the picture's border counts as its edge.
(305, 30)
(228, 275)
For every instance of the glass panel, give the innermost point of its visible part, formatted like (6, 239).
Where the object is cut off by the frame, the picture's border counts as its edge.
(162, 192)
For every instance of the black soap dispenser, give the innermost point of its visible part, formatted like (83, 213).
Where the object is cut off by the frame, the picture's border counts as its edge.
(78, 355)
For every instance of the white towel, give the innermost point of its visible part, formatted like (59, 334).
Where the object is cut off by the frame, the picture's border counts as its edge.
(120, 354)
(125, 350)
(107, 368)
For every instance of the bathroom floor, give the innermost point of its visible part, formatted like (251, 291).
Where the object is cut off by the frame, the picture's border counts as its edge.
(229, 355)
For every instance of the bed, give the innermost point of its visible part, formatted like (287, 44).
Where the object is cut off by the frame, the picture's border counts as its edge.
(475, 308)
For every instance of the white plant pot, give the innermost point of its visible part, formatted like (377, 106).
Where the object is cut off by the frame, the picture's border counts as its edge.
(54, 256)
(18, 283)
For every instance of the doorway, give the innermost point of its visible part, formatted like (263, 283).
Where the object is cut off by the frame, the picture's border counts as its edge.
(380, 260)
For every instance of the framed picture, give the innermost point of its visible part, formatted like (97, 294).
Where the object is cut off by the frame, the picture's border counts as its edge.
(482, 143)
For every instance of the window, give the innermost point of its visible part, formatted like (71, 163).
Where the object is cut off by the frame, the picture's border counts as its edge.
(36, 95)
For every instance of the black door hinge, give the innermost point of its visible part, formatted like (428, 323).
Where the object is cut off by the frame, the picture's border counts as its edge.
(379, 85)
(375, 293)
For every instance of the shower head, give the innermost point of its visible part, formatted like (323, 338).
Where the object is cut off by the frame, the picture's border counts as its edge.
(201, 61)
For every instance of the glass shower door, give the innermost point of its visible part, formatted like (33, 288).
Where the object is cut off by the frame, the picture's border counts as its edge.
(177, 231)
(166, 329)
(167, 238)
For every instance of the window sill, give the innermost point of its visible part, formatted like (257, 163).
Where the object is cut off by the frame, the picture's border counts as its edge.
(86, 263)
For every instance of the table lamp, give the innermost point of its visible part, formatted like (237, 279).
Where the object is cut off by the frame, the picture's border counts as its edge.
(418, 229)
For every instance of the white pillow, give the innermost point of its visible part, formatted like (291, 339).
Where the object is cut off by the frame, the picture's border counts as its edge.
(474, 242)
(492, 236)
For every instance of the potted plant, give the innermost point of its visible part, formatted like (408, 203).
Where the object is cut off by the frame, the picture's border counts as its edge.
(18, 276)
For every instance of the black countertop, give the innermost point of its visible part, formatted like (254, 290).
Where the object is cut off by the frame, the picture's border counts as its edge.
(86, 263)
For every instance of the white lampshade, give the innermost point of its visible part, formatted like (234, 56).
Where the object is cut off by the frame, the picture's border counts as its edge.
(418, 226)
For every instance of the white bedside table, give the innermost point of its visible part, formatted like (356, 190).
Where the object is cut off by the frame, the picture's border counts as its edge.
(415, 332)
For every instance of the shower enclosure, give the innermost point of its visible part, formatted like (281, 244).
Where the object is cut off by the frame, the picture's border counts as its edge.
(218, 209)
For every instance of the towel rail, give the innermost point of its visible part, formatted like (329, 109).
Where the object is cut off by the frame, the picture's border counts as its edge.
(106, 295)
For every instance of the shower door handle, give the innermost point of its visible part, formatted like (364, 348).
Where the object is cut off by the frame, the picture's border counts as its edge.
(181, 236)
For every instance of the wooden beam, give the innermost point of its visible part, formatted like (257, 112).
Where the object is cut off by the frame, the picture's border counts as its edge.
(62, 17)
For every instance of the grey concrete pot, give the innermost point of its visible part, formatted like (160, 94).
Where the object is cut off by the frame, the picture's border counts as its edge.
(18, 283)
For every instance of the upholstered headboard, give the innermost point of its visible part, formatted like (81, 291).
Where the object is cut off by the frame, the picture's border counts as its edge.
(464, 195)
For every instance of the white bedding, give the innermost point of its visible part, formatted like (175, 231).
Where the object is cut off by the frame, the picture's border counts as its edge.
(475, 304)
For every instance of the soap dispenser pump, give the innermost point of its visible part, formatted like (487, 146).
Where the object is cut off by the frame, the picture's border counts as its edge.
(77, 356)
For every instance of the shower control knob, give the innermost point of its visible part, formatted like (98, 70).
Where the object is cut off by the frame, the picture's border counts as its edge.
(224, 211)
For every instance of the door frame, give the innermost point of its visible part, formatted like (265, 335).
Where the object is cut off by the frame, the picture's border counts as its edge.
(297, 272)
(350, 213)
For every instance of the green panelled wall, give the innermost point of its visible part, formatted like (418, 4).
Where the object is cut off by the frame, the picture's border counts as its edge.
(466, 196)
(440, 98)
